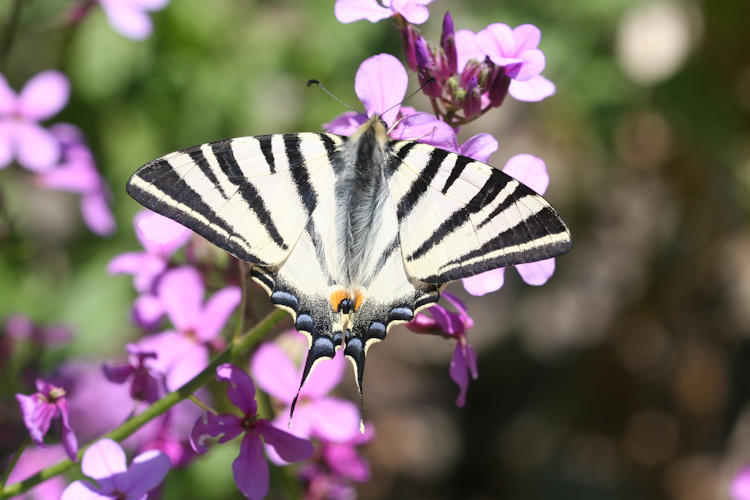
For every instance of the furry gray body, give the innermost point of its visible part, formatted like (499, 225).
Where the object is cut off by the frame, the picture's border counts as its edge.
(360, 194)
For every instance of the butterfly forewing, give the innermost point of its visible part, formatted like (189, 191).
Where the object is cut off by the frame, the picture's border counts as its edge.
(459, 217)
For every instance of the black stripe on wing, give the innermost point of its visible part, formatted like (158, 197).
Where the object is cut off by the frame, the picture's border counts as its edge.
(255, 203)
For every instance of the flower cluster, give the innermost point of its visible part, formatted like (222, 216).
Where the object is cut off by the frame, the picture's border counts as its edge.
(465, 75)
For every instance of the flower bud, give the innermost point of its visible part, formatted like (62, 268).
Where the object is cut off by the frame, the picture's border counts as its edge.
(448, 43)
(499, 84)
(409, 36)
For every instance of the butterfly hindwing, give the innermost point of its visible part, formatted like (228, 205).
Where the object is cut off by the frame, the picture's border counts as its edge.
(251, 196)
(459, 217)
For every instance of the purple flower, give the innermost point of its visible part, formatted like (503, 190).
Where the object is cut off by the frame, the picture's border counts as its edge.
(380, 84)
(160, 238)
(316, 414)
(343, 458)
(146, 384)
(184, 351)
(453, 324)
(740, 486)
(414, 11)
(532, 172)
(250, 467)
(21, 136)
(77, 174)
(32, 461)
(513, 49)
(20, 327)
(130, 17)
(40, 408)
(105, 462)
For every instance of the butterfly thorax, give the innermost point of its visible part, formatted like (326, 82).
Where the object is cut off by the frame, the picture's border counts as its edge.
(360, 195)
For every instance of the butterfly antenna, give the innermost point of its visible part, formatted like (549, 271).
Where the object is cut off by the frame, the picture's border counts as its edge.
(313, 81)
(399, 104)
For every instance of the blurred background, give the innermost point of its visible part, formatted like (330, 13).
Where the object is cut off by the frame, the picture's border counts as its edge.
(627, 376)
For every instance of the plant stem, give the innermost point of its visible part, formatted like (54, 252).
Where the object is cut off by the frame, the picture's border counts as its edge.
(9, 32)
(233, 351)
(14, 461)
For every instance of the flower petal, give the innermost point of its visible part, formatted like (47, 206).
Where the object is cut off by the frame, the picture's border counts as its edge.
(96, 213)
(348, 11)
(37, 148)
(250, 468)
(479, 147)
(531, 90)
(529, 170)
(37, 415)
(497, 41)
(241, 390)
(459, 373)
(740, 486)
(82, 490)
(68, 437)
(326, 375)
(413, 11)
(44, 95)
(532, 63)
(119, 373)
(102, 461)
(77, 174)
(208, 425)
(274, 372)
(380, 84)
(8, 98)
(288, 446)
(537, 273)
(158, 234)
(333, 419)
(527, 37)
(467, 48)
(147, 311)
(424, 127)
(216, 313)
(128, 19)
(486, 282)
(144, 474)
(189, 360)
(346, 123)
(344, 460)
(6, 142)
(181, 291)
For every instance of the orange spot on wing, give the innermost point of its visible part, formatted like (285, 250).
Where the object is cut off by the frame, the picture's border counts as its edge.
(358, 300)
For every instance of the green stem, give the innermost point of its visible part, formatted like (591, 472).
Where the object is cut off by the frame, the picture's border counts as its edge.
(234, 351)
(10, 32)
(200, 404)
(14, 461)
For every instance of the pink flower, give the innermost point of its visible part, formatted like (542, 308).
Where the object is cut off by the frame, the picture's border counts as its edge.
(380, 84)
(456, 325)
(316, 414)
(414, 11)
(20, 327)
(32, 461)
(532, 172)
(160, 237)
(105, 462)
(130, 17)
(40, 408)
(513, 49)
(21, 136)
(250, 467)
(184, 351)
(77, 174)
(146, 384)
(343, 458)
(740, 487)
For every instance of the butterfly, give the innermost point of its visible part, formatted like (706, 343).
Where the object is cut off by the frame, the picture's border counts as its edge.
(351, 235)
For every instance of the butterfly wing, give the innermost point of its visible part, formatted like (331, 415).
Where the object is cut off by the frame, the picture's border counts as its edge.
(251, 196)
(459, 217)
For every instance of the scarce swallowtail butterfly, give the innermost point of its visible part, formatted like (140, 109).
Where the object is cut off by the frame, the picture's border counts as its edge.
(351, 235)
